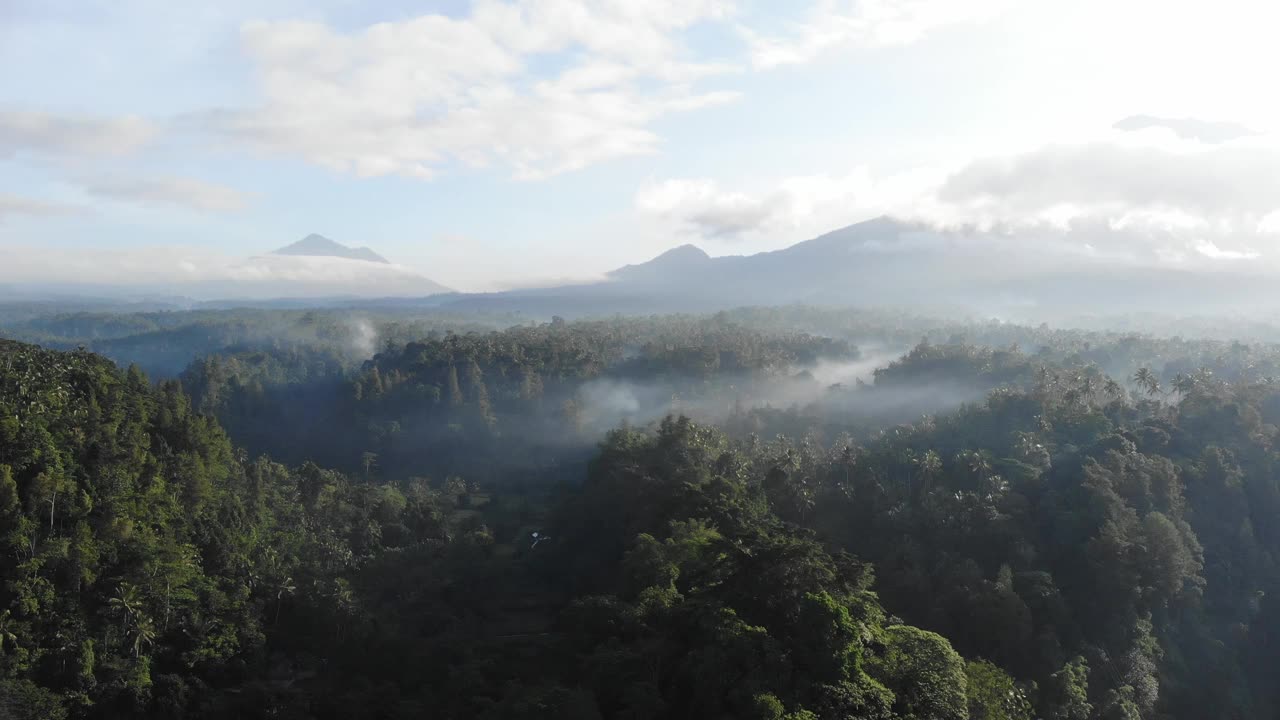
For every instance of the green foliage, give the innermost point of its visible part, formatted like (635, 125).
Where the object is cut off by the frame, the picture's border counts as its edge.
(993, 695)
(1107, 544)
(925, 674)
(1065, 696)
(24, 700)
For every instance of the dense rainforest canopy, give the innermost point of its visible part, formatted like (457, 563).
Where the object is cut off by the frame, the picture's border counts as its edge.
(766, 513)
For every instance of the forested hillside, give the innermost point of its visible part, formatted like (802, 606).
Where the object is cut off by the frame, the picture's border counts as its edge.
(487, 405)
(163, 343)
(153, 571)
(738, 516)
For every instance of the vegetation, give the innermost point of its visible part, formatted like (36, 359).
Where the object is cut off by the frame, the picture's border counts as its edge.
(646, 518)
(492, 406)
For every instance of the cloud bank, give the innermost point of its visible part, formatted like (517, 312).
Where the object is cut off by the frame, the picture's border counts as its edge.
(178, 192)
(866, 24)
(792, 206)
(417, 96)
(75, 135)
(530, 87)
(709, 210)
(1178, 200)
(16, 205)
(1205, 131)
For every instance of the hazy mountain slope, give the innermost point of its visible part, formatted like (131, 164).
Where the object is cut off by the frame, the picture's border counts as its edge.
(1042, 275)
(674, 264)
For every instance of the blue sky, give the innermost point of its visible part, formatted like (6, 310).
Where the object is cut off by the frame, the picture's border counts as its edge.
(493, 144)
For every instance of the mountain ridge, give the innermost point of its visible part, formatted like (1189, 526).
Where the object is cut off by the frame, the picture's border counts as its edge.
(316, 245)
(679, 260)
(885, 261)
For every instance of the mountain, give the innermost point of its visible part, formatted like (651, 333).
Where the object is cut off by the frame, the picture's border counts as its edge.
(320, 269)
(1042, 274)
(676, 262)
(320, 246)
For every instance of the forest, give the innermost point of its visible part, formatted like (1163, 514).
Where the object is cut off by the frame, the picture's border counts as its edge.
(769, 513)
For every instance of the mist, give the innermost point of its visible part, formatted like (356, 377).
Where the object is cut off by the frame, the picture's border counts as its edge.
(364, 338)
(829, 388)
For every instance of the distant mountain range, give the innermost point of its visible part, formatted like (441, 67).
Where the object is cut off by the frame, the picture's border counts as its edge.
(887, 262)
(320, 246)
(1045, 275)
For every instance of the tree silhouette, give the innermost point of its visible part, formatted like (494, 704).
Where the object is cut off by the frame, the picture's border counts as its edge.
(284, 587)
(144, 633)
(127, 602)
(1147, 380)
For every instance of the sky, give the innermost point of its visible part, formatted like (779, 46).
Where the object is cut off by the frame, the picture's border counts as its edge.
(496, 144)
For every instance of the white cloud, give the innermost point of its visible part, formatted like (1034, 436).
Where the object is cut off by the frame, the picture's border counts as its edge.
(1144, 196)
(16, 205)
(1210, 250)
(1205, 131)
(1225, 187)
(179, 192)
(790, 207)
(711, 211)
(537, 87)
(832, 24)
(97, 265)
(47, 133)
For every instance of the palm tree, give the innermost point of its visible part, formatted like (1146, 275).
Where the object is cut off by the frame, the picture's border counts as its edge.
(1088, 385)
(369, 460)
(1147, 380)
(928, 467)
(144, 633)
(127, 602)
(1071, 397)
(976, 463)
(198, 627)
(286, 587)
(1184, 384)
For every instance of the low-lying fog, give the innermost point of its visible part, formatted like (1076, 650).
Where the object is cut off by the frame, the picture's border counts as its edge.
(844, 387)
